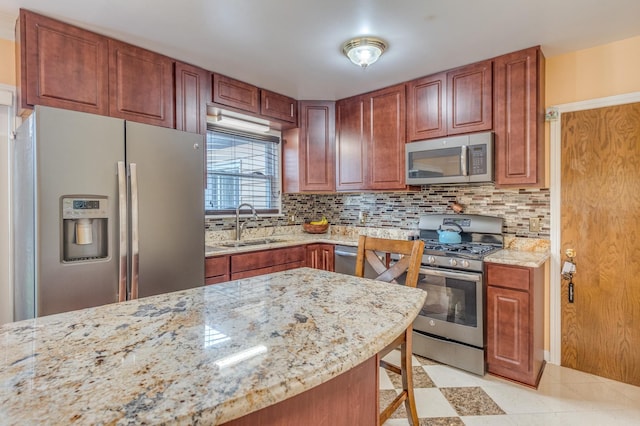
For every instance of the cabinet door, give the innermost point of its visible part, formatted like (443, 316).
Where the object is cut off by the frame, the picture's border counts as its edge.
(192, 92)
(509, 351)
(61, 65)
(234, 93)
(519, 108)
(470, 96)
(351, 146)
(427, 107)
(321, 256)
(386, 137)
(278, 106)
(216, 270)
(317, 159)
(140, 85)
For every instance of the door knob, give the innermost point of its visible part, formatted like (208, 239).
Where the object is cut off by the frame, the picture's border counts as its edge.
(570, 253)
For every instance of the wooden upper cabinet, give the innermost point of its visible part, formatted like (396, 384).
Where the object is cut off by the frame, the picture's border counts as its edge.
(470, 98)
(61, 66)
(351, 145)
(309, 151)
(370, 138)
(192, 93)
(278, 106)
(427, 107)
(519, 119)
(140, 85)
(237, 94)
(385, 124)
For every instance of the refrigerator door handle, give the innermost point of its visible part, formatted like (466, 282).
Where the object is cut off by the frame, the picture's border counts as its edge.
(134, 231)
(122, 260)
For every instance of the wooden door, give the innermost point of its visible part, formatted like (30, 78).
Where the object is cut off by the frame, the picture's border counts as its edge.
(386, 137)
(351, 146)
(600, 220)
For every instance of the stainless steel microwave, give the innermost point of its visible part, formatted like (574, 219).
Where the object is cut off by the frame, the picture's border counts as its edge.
(456, 159)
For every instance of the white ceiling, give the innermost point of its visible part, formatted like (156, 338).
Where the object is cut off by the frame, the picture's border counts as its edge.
(294, 46)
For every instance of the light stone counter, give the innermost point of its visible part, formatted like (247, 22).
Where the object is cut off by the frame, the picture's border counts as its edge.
(173, 358)
(287, 236)
(527, 252)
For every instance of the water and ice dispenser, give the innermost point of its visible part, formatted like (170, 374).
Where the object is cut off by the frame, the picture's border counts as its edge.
(85, 228)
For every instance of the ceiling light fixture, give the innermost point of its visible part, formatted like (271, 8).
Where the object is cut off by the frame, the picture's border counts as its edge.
(237, 123)
(364, 51)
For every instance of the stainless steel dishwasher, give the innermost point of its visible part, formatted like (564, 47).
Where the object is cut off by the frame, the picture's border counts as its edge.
(345, 261)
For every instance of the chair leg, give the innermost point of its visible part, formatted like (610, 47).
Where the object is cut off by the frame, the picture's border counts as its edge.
(407, 377)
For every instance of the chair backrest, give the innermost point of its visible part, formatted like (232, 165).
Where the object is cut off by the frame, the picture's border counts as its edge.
(369, 249)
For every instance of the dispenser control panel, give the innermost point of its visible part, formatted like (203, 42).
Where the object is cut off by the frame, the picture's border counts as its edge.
(84, 208)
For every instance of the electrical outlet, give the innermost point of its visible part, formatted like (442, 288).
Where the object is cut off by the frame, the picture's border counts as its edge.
(534, 224)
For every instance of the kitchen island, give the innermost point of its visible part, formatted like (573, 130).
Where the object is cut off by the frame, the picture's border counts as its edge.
(208, 355)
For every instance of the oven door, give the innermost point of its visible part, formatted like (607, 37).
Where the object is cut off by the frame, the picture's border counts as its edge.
(454, 306)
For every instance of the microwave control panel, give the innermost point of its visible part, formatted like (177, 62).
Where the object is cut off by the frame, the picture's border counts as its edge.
(478, 159)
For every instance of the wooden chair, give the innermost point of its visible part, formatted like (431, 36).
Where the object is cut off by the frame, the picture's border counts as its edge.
(369, 251)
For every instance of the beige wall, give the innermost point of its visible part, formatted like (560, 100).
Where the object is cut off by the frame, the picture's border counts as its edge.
(7, 62)
(606, 70)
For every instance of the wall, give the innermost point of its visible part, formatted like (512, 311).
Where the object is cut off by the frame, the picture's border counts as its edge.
(403, 209)
(7, 62)
(607, 70)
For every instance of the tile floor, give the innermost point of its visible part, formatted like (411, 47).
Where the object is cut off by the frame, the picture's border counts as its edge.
(448, 396)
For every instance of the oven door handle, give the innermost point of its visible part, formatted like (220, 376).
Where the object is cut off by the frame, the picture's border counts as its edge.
(448, 274)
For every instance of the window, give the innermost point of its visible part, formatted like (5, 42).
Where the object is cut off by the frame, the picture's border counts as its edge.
(242, 168)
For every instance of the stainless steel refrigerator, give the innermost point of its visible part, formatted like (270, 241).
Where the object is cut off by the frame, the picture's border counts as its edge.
(104, 210)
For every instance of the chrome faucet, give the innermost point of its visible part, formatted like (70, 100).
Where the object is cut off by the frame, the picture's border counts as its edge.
(239, 227)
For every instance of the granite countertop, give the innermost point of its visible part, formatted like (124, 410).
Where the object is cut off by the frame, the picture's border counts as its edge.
(175, 358)
(527, 252)
(292, 235)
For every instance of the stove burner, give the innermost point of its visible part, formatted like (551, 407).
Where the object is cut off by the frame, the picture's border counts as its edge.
(475, 249)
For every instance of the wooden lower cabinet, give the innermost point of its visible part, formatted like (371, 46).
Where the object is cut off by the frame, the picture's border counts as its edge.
(515, 321)
(348, 399)
(216, 269)
(254, 263)
(321, 256)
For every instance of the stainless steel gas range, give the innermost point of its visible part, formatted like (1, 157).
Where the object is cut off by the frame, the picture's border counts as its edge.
(450, 327)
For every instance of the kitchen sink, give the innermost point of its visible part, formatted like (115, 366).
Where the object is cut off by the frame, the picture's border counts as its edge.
(249, 243)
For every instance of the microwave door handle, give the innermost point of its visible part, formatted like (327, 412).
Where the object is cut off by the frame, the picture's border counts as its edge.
(463, 160)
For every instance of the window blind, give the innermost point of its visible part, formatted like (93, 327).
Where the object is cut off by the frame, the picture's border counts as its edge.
(242, 168)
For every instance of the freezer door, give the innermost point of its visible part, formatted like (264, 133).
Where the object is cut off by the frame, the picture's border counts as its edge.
(61, 153)
(167, 188)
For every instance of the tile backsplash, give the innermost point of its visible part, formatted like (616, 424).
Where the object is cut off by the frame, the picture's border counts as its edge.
(403, 209)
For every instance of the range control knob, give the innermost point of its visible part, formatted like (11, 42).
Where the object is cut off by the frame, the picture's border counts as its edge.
(465, 263)
(431, 259)
(453, 262)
